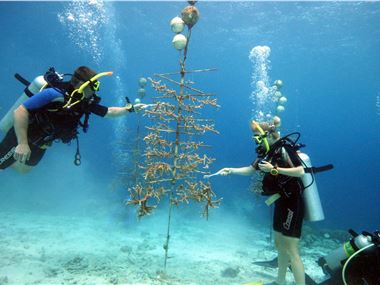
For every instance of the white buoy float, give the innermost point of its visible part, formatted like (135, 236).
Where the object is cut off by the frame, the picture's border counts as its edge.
(142, 82)
(282, 100)
(141, 92)
(179, 41)
(177, 25)
(278, 94)
(278, 83)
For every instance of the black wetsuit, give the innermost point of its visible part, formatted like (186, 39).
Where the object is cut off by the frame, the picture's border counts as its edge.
(289, 210)
(46, 126)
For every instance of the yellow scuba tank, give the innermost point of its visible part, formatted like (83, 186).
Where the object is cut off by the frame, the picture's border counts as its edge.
(34, 87)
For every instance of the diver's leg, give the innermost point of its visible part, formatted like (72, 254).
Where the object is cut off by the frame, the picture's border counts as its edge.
(7, 148)
(291, 245)
(283, 257)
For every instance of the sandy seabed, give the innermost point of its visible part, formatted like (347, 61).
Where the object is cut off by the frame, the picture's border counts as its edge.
(50, 249)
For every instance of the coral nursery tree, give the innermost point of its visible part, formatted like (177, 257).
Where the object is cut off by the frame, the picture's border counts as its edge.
(174, 157)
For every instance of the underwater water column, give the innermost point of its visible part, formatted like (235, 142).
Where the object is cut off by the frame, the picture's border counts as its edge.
(114, 50)
(92, 27)
(125, 147)
(84, 21)
(262, 93)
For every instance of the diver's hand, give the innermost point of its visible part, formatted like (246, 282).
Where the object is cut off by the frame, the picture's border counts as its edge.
(140, 106)
(265, 166)
(22, 153)
(225, 171)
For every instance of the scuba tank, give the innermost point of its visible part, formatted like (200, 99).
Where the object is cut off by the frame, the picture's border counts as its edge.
(31, 88)
(50, 78)
(357, 261)
(313, 206)
(336, 259)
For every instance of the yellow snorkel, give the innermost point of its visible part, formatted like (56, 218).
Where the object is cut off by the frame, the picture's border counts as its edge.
(262, 139)
(92, 82)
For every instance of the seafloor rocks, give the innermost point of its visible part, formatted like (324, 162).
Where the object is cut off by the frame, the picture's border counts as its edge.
(52, 271)
(230, 272)
(126, 249)
(76, 264)
(3, 280)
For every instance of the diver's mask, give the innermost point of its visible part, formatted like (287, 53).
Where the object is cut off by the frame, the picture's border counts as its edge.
(261, 141)
(93, 83)
(262, 145)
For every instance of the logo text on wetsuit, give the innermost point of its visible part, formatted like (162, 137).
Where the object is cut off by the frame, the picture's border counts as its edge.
(8, 155)
(288, 220)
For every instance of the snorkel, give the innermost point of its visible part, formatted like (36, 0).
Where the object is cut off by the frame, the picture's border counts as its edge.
(261, 140)
(94, 84)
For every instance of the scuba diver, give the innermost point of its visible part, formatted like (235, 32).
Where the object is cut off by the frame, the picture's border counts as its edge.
(54, 112)
(356, 261)
(288, 180)
(282, 173)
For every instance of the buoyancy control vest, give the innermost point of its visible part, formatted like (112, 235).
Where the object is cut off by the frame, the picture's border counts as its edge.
(282, 154)
(285, 153)
(55, 122)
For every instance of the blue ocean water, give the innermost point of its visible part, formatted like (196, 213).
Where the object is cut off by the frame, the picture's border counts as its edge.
(326, 53)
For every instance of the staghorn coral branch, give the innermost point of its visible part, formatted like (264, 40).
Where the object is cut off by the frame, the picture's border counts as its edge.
(179, 83)
(188, 71)
(171, 161)
(139, 197)
(153, 169)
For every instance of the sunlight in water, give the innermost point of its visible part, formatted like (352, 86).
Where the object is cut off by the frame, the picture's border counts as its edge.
(84, 20)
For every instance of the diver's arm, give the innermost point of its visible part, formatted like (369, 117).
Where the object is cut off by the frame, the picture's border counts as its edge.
(21, 121)
(292, 171)
(246, 170)
(114, 112)
(297, 171)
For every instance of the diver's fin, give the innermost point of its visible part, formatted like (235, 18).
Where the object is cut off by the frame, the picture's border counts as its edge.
(273, 264)
(309, 281)
(267, 263)
(254, 283)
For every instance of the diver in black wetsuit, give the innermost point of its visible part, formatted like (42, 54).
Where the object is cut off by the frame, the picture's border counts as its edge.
(356, 262)
(56, 113)
(282, 173)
